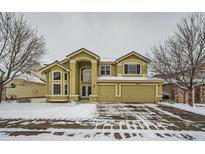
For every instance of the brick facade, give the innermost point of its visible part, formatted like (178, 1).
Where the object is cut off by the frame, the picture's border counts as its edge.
(180, 95)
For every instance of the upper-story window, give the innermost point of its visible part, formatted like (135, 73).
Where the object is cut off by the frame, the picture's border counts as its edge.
(56, 76)
(65, 76)
(86, 74)
(131, 68)
(105, 69)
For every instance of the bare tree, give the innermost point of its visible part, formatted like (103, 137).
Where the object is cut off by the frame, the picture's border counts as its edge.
(20, 47)
(179, 58)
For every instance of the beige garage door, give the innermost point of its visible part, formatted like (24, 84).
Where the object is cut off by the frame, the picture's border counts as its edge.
(138, 93)
(106, 93)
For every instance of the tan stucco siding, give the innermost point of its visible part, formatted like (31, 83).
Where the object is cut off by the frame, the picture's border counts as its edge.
(57, 98)
(113, 70)
(50, 81)
(132, 59)
(102, 91)
(25, 89)
(82, 55)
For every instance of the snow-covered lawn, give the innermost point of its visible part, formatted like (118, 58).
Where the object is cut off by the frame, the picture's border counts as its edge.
(197, 108)
(38, 109)
(84, 121)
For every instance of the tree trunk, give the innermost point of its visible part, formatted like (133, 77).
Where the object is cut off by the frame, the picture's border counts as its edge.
(190, 96)
(1, 90)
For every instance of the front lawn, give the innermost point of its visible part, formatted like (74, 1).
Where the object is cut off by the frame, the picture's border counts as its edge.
(39, 109)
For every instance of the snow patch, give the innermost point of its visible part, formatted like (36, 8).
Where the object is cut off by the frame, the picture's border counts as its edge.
(34, 110)
(195, 109)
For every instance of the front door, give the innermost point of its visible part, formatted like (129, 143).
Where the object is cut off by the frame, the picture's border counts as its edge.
(85, 91)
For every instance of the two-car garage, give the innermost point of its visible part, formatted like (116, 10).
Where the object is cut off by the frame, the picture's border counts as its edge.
(127, 93)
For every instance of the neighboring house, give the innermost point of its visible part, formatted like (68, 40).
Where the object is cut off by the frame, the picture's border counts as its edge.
(180, 95)
(25, 86)
(84, 75)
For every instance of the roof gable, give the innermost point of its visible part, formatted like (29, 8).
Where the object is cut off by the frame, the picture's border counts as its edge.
(136, 54)
(53, 64)
(82, 50)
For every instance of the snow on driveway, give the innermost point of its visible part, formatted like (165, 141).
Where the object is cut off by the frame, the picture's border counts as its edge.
(197, 108)
(83, 121)
(42, 110)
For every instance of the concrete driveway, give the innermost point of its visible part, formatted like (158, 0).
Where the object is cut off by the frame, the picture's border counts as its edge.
(112, 122)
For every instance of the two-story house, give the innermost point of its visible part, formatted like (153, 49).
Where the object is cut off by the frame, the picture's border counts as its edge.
(83, 75)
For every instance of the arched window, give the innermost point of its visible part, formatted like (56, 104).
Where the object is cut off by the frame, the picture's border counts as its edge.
(86, 74)
(56, 75)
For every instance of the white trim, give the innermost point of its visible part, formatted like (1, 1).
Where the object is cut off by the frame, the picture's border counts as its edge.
(105, 70)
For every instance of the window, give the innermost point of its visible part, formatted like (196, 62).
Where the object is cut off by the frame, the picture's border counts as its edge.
(105, 69)
(132, 69)
(56, 89)
(66, 89)
(65, 76)
(13, 85)
(86, 74)
(56, 75)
